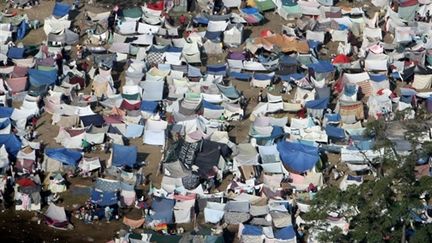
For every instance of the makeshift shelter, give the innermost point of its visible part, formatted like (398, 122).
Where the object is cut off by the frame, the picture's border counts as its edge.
(298, 157)
(55, 217)
(123, 156)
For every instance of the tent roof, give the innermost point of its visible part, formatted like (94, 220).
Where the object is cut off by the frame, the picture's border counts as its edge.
(124, 155)
(63, 155)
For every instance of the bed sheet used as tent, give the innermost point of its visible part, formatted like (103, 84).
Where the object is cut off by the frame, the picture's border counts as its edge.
(61, 9)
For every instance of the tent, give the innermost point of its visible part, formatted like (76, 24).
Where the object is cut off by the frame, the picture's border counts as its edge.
(163, 210)
(61, 9)
(65, 156)
(264, 5)
(104, 198)
(298, 157)
(55, 217)
(39, 78)
(11, 143)
(16, 53)
(123, 155)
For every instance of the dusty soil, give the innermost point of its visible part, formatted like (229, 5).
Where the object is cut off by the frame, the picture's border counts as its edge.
(19, 226)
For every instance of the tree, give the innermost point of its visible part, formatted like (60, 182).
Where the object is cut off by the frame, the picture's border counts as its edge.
(380, 210)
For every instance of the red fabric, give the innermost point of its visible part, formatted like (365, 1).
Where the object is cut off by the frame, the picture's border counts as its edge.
(182, 19)
(77, 80)
(265, 33)
(24, 182)
(302, 113)
(159, 5)
(128, 106)
(408, 3)
(113, 119)
(341, 59)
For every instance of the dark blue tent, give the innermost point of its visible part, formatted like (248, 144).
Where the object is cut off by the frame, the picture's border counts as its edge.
(163, 209)
(5, 123)
(11, 143)
(252, 230)
(200, 20)
(216, 69)
(40, 78)
(322, 67)
(287, 60)
(240, 76)
(149, 106)
(262, 76)
(16, 53)
(298, 157)
(104, 198)
(335, 132)
(213, 36)
(317, 104)
(212, 106)
(124, 155)
(6, 111)
(22, 30)
(286, 233)
(63, 155)
(61, 9)
(377, 77)
(95, 120)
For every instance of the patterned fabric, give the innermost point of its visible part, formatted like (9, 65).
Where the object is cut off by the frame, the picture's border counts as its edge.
(154, 58)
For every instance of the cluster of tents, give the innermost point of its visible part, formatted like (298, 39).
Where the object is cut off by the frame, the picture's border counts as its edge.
(169, 99)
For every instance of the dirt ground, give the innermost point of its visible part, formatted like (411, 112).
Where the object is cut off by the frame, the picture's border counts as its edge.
(23, 227)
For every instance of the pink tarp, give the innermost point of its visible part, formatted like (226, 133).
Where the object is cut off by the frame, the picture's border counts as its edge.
(17, 84)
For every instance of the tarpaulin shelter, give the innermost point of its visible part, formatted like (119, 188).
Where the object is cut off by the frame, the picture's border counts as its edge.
(22, 30)
(6, 111)
(61, 9)
(163, 210)
(285, 234)
(298, 157)
(104, 198)
(66, 156)
(16, 53)
(40, 80)
(95, 120)
(11, 143)
(123, 155)
(55, 217)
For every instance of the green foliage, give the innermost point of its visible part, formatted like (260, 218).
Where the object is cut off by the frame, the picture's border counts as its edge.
(382, 206)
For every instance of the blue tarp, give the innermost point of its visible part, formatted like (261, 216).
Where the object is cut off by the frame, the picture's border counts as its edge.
(336, 117)
(262, 76)
(149, 106)
(163, 209)
(214, 36)
(212, 106)
(16, 53)
(124, 155)
(298, 157)
(317, 104)
(92, 120)
(5, 123)
(286, 233)
(335, 132)
(6, 111)
(200, 20)
(229, 91)
(103, 198)
(22, 30)
(250, 10)
(194, 71)
(216, 69)
(287, 60)
(11, 142)
(240, 76)
(322, 67)
(61, 9)
(292, 77)
(377, 77)
(350, 89)
(42, 78)
(134, 130)
(252, 230)
(63, 155)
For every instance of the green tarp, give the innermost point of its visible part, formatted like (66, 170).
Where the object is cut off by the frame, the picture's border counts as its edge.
(132, 12)
(265, 5)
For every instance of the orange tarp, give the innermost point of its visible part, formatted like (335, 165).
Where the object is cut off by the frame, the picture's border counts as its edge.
(283, 42)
